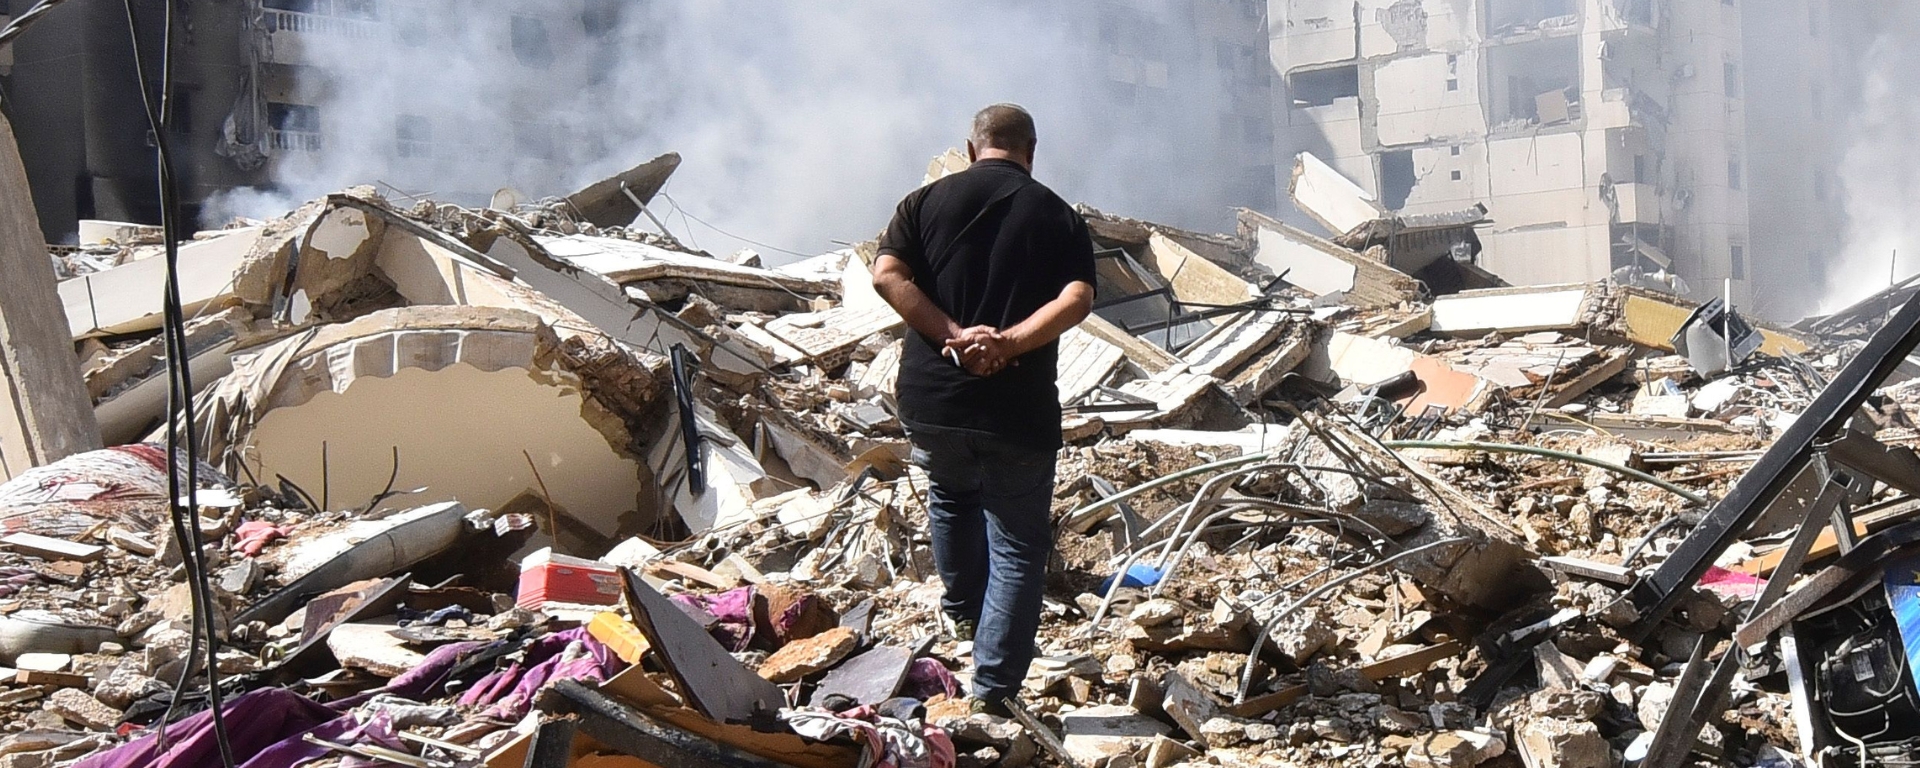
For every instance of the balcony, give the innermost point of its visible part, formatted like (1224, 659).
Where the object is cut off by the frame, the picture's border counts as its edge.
(291, 34)
(1640, 203)
(313, 23)
(294, 141)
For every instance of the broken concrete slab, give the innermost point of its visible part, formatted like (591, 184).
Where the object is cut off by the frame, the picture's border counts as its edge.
(372, 646)
(47, 414)
(1329, 197)
(1511, 310)
(1098, 735)
(606, 203)
(366, 550)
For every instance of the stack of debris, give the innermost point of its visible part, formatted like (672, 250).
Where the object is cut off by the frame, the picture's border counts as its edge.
(525, 487)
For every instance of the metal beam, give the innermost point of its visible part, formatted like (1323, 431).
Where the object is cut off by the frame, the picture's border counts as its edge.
(1822, 421)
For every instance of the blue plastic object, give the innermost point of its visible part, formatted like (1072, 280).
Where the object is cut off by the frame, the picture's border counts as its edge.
(1139, 576)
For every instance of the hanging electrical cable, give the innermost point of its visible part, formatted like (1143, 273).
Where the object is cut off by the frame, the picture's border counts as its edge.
(182, 448)
(20, 23)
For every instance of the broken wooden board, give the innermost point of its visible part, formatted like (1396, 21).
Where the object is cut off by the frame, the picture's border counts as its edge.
(1405, 664)
(711, 679)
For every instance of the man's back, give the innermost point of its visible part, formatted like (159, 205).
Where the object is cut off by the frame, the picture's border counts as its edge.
(990, 246)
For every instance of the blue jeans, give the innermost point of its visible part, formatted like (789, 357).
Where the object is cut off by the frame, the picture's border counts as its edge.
(989, 505)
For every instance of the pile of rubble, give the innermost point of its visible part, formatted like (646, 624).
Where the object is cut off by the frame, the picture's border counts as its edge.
(528, 487)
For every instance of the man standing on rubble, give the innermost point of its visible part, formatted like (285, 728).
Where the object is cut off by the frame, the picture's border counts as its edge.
(988, 267)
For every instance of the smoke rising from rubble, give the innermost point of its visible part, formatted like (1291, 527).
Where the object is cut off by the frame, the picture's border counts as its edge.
(798, 124)
(1881, 167)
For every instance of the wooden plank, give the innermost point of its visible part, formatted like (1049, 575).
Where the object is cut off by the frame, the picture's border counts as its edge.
(1593, 377)
(1398, 666)
(713, 682)
(49, 548)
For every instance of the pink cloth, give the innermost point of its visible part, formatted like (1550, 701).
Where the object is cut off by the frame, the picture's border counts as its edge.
(254, 535)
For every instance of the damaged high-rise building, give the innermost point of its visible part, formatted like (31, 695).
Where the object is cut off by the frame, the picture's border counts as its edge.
(257, 97)
(1601, 134)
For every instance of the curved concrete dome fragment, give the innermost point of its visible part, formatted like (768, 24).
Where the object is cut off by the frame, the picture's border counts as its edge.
(463, 396)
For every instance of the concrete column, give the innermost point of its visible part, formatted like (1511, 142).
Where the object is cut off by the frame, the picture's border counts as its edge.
(45, 413)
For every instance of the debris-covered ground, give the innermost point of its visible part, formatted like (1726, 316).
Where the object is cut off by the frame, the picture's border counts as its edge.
(527, 487)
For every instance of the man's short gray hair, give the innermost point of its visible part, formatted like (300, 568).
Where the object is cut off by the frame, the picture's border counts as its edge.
(1004, 126)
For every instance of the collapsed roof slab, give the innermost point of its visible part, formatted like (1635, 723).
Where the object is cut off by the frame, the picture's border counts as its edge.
(1511, 310)
(1321, 267)
(479, 405)
(126, 298)
(666, 275)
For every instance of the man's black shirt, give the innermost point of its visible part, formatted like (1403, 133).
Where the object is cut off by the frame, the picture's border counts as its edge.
(990, 246)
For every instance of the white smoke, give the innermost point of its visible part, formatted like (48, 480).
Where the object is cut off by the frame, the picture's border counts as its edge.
(799, 124)
(1880, 170)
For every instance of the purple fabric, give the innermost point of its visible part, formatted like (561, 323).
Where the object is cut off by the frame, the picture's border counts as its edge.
(547, 660)
(425, 682)
(490, 688)
(295, 750)
(927, 677)
(256, 721)
(734, 609)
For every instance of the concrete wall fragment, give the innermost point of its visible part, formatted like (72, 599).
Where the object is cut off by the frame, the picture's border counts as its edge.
(45, 414)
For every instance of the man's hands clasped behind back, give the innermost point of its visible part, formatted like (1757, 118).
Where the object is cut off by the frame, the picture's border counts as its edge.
(983, 350)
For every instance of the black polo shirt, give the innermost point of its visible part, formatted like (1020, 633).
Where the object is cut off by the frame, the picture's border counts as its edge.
(990, 246)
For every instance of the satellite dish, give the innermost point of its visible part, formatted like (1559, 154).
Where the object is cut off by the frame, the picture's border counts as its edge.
(506, 199)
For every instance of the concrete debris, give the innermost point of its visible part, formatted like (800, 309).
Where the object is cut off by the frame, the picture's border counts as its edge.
(1342, 500)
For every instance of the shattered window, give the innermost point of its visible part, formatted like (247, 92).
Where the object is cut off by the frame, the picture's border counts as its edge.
(1737, 262)
(413, 135)
(1320, 87)
(530, 44)
(1730, 73)
(294, 118)
(1733, 174)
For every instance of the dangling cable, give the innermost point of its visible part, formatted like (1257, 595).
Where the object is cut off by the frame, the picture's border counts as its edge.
(183, 512)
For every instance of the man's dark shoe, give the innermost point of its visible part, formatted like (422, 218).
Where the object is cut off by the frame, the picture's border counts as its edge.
(994, 708)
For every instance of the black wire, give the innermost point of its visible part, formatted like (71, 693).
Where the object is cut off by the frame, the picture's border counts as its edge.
(184, 515)
(684, 214)
(19, 23)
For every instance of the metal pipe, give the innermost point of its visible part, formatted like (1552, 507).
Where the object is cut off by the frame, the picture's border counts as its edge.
(1553, 454)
